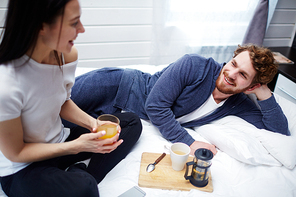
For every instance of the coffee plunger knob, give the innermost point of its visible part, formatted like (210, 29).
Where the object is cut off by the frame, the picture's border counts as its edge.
(203, 154)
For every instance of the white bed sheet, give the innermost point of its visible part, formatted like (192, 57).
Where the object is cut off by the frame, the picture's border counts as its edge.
(231, 177)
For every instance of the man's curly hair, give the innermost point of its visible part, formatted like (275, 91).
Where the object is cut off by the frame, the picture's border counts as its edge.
(262, 60)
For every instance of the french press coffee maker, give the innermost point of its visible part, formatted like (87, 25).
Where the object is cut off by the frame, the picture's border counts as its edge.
(201, 167)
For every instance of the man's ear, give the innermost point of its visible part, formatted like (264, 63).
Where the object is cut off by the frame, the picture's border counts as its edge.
(254, 86)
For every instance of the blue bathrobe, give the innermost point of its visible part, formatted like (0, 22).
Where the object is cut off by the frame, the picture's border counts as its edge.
(177, 90)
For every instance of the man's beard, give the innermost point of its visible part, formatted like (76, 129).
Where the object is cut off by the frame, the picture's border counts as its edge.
(228, 89)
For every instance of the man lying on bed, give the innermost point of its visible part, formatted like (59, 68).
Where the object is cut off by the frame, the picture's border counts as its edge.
(189, 92)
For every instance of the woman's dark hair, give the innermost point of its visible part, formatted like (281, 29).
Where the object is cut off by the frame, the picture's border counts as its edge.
(24, 20)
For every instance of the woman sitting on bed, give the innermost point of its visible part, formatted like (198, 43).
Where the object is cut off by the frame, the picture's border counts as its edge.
(37, 65)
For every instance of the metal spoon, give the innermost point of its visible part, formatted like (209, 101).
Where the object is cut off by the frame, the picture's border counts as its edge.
(151, 166)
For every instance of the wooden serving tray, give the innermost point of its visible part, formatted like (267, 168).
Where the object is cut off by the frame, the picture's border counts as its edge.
(164, 177)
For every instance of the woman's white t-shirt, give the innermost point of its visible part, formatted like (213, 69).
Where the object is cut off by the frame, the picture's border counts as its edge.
(35, 92)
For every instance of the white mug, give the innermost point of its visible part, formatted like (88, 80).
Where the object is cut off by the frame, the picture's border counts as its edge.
(179, 154)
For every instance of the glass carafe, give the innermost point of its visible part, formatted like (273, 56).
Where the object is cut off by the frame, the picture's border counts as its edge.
(200, 167)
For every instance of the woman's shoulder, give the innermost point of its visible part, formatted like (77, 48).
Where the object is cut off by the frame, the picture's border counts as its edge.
(10, 92)
(72, 56)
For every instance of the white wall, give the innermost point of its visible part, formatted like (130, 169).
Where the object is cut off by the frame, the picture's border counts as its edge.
(282, 27)
(119, 32)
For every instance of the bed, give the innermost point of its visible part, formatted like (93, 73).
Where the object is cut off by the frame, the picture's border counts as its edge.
(250, 161)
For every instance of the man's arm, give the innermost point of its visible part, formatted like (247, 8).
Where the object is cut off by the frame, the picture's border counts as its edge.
(172, 85)
(162, 97)
(273, 118)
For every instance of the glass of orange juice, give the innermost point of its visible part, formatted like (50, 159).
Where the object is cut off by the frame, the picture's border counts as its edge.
(111, 128)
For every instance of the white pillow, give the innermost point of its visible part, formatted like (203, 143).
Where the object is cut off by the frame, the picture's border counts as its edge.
(242, 140)
(283, 148)
(289, 110)
(237, 144)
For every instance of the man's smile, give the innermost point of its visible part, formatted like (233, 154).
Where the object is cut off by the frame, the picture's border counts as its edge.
(228, 80)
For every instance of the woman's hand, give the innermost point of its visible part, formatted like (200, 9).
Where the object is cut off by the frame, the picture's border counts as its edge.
(90, 142)
(15, 149)
(87, 142)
